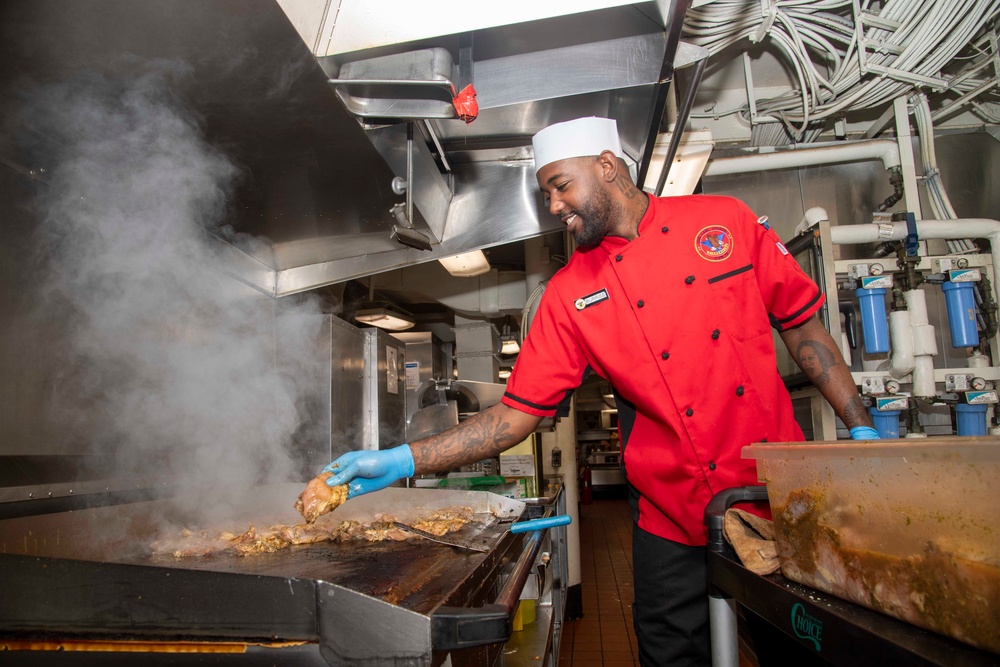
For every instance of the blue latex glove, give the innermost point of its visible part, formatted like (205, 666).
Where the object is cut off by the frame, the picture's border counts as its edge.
(370, 470)
(864, 433)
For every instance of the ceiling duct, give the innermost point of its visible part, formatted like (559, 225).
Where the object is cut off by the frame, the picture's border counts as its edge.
(321, 105)
(396, 65)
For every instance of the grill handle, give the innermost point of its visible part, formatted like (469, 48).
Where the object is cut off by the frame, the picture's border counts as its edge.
(454, 628)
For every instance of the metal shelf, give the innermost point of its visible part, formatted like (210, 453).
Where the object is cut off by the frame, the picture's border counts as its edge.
(531, 645)
(595, 434)
(851, 634)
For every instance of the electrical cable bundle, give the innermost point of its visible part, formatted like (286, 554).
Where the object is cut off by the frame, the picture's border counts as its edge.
(902, 45)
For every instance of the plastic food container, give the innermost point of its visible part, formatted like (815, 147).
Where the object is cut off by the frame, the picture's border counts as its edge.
(910, 528)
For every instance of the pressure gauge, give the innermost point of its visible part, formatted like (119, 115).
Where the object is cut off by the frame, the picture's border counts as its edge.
(877, 269)
(962, 262)
(891, 386)
(978, 384)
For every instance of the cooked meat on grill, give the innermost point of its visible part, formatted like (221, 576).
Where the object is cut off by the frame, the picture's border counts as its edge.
(256, 541)
(305, 533)
(444, 521)
(379, 531)
(190, 543)
(320, 498)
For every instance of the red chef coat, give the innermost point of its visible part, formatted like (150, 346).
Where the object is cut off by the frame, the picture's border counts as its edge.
(679, 322)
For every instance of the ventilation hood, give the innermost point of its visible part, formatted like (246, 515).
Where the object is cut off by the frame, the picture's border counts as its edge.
(339, 115)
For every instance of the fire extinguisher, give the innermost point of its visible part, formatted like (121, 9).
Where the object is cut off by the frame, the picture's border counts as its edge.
(586, 484)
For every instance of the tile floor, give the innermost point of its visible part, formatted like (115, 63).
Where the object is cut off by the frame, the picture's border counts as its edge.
(604, 636)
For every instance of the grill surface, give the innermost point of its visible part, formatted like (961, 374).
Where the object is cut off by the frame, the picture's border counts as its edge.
(90, 574)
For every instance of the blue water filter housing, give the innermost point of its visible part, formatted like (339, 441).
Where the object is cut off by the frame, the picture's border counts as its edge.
(874, 322)
(886, 422)
(960, 299)
(971, 419)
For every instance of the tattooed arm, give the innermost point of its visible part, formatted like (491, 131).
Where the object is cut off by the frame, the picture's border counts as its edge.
(482, 436)
(814, 350)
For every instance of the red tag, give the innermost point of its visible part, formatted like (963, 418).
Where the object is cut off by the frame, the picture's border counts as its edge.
(465, 104)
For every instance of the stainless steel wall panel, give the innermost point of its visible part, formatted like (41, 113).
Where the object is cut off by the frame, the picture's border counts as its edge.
(970, 169)
(848, 192)
(348, 404)
(385, 390)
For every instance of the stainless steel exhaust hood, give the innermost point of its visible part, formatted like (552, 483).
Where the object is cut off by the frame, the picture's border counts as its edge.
(321, 105)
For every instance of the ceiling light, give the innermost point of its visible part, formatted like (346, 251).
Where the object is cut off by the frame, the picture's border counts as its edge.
(504, 373)
(466, 265)
(384, 316)
(510, 346)
(508, 341)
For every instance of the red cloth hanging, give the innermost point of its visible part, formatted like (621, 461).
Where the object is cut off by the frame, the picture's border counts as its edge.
(465, 103)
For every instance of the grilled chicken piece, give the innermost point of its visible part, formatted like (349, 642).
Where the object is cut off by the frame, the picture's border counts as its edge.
(305, 533)
(444, 521)
(319, 498)
(190, 543)
(265, 541)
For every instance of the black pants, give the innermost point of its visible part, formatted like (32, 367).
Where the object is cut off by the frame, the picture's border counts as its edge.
(670, 612)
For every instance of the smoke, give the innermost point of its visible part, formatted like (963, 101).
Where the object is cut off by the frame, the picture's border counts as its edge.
(177, 368)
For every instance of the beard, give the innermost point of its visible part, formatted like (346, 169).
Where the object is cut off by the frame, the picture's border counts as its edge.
(595, 218)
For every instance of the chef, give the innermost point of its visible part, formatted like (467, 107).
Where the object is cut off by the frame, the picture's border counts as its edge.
(672, 301)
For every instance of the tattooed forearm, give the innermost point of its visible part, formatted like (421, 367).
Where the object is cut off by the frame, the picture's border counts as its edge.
(480, 437)
(816, 360)
(854, 413)
(816, 353)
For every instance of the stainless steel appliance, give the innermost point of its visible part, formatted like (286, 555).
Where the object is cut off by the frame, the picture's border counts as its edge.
(82, 586)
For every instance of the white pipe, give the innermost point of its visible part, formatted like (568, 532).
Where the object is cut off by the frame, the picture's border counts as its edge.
(879, 149)
(926, 229)
(963, 228)
(811, 217)
(924, 343)
(900, 333)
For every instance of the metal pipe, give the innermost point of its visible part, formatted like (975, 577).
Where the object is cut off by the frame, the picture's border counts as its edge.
(510, 594)
(409, 173)
(676, 10)
(437, 145)
(682, 115)
(879, 149)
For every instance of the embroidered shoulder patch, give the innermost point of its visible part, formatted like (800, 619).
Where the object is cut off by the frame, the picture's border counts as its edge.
(714, 243)
(591, 299)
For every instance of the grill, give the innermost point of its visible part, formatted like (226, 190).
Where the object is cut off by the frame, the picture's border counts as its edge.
(89, 577)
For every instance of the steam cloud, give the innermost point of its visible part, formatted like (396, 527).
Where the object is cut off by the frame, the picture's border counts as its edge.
(178, 368)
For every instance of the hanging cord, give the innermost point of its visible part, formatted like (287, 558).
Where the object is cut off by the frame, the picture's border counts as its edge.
(825, 48)
(936, 194)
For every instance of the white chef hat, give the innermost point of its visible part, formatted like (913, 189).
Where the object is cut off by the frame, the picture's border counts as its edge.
(576, 138)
